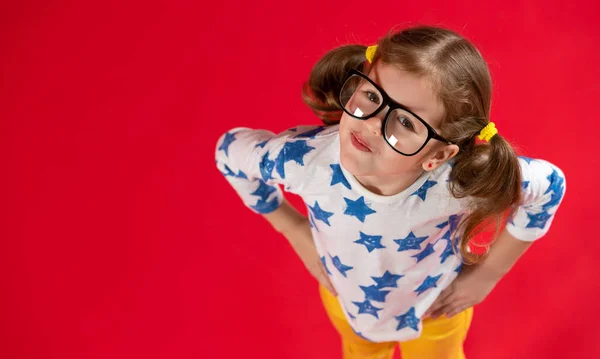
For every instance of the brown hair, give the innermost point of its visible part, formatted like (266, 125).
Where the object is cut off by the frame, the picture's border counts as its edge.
(487, 174)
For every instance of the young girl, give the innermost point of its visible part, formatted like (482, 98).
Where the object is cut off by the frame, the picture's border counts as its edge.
(407, 171)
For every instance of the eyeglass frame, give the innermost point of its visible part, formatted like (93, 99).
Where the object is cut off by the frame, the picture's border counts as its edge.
(388, 101)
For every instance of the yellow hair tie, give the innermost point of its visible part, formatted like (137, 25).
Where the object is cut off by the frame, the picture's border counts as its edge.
(370, 53)
(488, 132)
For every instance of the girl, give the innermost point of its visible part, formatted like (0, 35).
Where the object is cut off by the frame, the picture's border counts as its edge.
(408, 171)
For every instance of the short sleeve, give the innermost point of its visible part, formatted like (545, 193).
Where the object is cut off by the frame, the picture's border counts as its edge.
(255, 162)
(543, 187)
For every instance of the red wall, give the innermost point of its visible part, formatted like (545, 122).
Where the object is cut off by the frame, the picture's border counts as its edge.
(120, 239)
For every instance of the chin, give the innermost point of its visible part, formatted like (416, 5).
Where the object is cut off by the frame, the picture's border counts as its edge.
(352, 164)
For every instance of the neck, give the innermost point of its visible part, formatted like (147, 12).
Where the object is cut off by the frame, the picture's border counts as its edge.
(389, 185)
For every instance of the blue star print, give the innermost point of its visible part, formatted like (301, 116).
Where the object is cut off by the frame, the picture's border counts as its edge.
(338, 176)
(538, 220)
(457, 270)
(291, 151)
(325, 265)
(264, 207)
(266, 167)
(360, 335)
(320, 214)
(388, 280)
(524, 184)
(311, 221)
(375, 293)
(454, 220)
(557, 189)
(410, 242)
(262, 144)
(426, 252)
(408, 319)
(341, 267)
(428, 283)
(367, 308)
(371, 242)
(526, 159)
(422, 192)
(311, 133)
(263, 190)
(229, 138)
(358, 208)
(448, 251)
(229, 172)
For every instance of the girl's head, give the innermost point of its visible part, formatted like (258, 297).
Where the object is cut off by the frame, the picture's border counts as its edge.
(434, 87)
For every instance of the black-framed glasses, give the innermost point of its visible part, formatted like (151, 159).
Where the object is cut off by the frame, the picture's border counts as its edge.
(403, 130)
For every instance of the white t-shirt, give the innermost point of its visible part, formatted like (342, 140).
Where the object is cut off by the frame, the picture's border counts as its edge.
(388, 257)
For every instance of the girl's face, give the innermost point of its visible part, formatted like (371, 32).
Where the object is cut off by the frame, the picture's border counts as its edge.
(378, 159)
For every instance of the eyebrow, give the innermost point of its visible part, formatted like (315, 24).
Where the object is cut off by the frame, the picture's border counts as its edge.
(410, 108)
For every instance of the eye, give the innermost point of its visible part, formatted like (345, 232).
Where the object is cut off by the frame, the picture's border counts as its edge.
(373, 97)
(405, 121)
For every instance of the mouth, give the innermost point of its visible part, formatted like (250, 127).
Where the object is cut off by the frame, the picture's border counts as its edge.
(359, 143)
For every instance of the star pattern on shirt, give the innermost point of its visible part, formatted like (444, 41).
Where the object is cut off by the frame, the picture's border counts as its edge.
(410, 242)
(524, 184)
(325, 265)
(367, 308)
(338, 176)
(228, 140)
(374, 293)
(388, 280)
(311, 133)
(262, 144)
(311, 221)
(457, 270)
(371, 242)
(263, 206)
(538, 220)
(230, 173)
(408, 319)
(341, 267)
(422, 192)
(358, 208)
(448, 251)
(526, 159)
(425, 253)
(320, 214)
(266, 167)
(291, 151)
(556, 187)
(428, 283)
(263, 190)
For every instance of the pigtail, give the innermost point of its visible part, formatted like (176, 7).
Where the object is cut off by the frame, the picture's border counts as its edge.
(490, 175)
(326, 79)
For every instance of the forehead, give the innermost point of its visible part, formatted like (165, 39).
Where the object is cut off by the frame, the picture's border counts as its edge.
(409, 90)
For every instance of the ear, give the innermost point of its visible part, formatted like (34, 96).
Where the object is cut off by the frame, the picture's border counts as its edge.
(439, 157)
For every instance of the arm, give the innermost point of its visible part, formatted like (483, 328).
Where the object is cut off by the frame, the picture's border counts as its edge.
(543, 190)
(504, 253)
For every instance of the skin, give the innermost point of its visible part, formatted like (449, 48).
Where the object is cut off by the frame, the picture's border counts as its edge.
(383, 170)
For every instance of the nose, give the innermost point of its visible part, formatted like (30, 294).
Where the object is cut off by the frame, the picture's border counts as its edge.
(375, 123)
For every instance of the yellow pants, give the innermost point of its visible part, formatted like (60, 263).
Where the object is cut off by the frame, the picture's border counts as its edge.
(441, 338)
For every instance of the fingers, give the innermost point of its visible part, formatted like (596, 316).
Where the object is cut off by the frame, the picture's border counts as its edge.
(450, 310)
(442, 300)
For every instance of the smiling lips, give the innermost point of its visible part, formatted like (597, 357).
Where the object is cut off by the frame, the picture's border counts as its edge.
(359, 143)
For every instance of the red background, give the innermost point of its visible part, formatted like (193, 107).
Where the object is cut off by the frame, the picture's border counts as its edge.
(120, 239)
